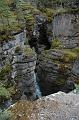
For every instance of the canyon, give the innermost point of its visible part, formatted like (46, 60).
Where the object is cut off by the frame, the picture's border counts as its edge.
(39, 62)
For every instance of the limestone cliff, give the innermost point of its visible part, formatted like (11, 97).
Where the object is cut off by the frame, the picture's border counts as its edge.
(54, 70)
(17, 65)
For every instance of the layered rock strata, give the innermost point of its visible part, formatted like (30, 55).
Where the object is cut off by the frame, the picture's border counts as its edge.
(17, 65)
(54, 68)
(65, 28)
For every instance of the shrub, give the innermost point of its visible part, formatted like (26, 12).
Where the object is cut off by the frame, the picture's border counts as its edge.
(49, 13)
(56, 43)
(6, 69)
(4, 93)
(28, 51)
(4, 115)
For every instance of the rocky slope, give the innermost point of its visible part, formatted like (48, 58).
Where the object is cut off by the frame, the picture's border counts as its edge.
(59, 106)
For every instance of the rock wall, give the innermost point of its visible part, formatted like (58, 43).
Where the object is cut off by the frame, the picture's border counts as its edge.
(54, 69)
(65, 27)
(24, 75)
(75, 71)
(54, 4)
(17, 62)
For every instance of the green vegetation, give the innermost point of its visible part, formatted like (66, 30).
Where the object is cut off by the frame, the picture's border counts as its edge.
(65, 10)
(28, 52)
(15, 19)
(48, 12)
(5, 115)
(56, 43)
(5, 71)
(15, 15)
(75, 50)
(6, 86)
(29, 22)
(4, 93)
(69, 55)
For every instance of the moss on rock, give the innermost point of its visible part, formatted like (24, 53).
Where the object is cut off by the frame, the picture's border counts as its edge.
(61, 55)
(56, 43)
(4, 71)
(28, 52)
(69, 55)
(48, 12)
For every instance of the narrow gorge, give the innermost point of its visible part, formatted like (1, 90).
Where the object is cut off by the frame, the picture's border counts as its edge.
(39, 60)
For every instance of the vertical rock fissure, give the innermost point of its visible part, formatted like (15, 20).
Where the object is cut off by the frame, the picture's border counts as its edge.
(39, 38)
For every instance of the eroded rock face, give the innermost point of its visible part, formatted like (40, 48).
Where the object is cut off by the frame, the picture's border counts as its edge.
(65, 27)
(75, 71)
(59, 106)
(54, 69)
(19, 62)
(24, 75)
